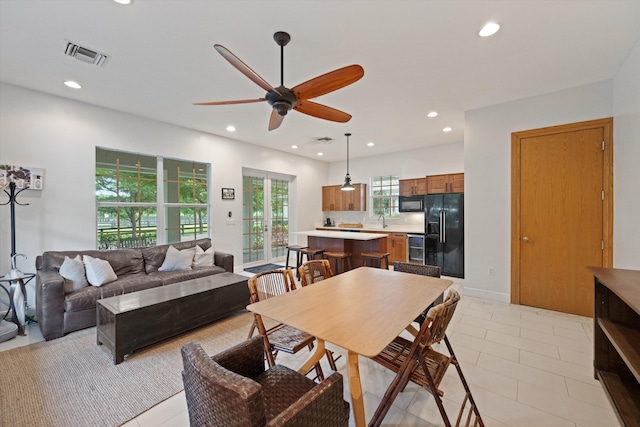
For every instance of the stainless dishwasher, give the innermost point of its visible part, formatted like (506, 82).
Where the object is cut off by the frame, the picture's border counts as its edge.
(415, 248)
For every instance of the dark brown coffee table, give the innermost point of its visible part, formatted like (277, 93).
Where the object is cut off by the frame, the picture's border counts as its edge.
(129, 322)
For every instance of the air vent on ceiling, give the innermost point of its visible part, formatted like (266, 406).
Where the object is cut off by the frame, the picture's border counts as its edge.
(324, 140)
(85, 54)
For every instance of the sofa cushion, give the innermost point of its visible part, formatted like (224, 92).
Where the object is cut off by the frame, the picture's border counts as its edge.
(123, 261)
(169, 277)
(72, 269)
(204, 258)
(99, 271)
(154, 256)
(178, 260)
(86, 298)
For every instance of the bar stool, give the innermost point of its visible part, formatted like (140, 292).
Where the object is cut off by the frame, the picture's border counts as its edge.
(311, 253)
(374, 259)
(296, 249)
(339, 260)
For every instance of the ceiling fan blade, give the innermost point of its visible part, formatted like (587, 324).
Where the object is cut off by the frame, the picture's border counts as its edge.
(244, 68)
(239, 101)
(275, 120)
(328, 82)
(322, 111)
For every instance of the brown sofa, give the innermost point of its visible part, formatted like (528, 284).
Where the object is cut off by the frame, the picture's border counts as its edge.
(137, 269)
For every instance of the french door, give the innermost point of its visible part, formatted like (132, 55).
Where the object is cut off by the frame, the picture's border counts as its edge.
(265, 217)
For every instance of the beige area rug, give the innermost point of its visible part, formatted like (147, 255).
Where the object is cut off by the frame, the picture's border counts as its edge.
(71, 381)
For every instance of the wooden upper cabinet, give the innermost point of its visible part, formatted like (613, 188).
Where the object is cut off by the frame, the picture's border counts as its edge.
(355, 200)
(413, 187)
(334, 199)
(331, 198)
(450, 183)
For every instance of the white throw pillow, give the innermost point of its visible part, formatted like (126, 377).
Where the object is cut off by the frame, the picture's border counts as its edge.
(99, 271)
(72, 269)
(203, 258)
(178, 260)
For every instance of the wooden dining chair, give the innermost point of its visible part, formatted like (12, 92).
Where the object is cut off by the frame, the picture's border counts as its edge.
(279, 337)
(424, 270)
(418, 362)
(312, 272)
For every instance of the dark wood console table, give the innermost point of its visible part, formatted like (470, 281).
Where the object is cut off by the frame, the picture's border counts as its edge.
(617, 339)
(129, 322)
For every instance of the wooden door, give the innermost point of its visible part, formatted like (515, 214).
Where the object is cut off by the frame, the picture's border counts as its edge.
(562, 213)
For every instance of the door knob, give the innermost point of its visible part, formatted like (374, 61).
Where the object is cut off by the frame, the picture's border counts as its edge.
(526, 239)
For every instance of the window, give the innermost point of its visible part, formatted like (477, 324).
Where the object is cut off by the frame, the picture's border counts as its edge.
(135, 209)
(384, 195)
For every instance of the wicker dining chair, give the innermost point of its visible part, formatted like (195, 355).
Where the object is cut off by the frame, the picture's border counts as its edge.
(233, 389)
(418, 362)
(312, 272)
(424, 270)
(279, 337)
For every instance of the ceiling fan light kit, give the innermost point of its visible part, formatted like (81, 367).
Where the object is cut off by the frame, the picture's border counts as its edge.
(282, 99)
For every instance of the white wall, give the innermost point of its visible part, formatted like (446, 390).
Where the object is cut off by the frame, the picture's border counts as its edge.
(626, 155)
(60, 135)
(488, 174)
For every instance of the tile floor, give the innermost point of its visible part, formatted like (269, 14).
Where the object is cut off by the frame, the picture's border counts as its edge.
(526, 367)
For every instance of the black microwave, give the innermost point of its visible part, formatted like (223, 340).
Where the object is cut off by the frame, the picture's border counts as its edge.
(411, 203)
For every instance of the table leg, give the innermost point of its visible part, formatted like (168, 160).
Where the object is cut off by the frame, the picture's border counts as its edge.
(356, 389)
(315, 358)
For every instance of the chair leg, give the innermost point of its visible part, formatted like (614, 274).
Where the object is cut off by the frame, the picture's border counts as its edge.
(473, 410)
(394, 389)
(332, 360)
(254, 325)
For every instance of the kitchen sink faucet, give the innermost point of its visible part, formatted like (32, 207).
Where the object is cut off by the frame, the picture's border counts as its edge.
(384, 224)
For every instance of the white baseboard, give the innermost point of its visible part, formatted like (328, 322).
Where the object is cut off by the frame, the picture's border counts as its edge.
(481, 293)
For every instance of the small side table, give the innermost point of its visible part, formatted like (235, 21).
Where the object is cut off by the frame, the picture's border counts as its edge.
(17, 294)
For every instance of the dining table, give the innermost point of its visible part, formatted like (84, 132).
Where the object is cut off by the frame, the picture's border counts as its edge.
(361, 311)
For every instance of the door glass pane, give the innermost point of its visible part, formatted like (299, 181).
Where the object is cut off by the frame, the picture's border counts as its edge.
(252, 219)
(279, 217)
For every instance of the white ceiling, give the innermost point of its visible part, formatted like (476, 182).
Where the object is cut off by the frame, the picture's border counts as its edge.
(418, 56)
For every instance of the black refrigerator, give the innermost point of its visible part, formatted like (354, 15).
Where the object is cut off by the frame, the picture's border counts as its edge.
(444, 233)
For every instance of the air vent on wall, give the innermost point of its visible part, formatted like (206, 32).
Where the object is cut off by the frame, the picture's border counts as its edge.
(85, 54)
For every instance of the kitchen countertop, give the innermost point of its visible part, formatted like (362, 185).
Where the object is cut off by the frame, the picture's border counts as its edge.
(336, 234)
(413, 229)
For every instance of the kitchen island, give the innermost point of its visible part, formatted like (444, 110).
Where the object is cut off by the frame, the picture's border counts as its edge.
(354, 243)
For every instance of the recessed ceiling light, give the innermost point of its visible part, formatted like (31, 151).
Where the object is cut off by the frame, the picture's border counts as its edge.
(370, 144)
(72, 84)
(123, 1)
(447, 129)
(294, 146)
(432, 114)
(231, 128)
(320, 154)
(489, 29)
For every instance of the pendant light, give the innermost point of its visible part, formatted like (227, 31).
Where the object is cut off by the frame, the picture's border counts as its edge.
(347, 186)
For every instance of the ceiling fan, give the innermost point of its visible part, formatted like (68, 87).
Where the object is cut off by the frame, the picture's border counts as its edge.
(283, 99)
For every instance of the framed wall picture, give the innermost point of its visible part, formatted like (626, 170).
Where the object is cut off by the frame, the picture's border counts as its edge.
(24, 178)
(228, 194)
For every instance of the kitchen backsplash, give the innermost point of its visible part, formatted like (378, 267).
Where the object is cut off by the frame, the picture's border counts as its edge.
(364, 218)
